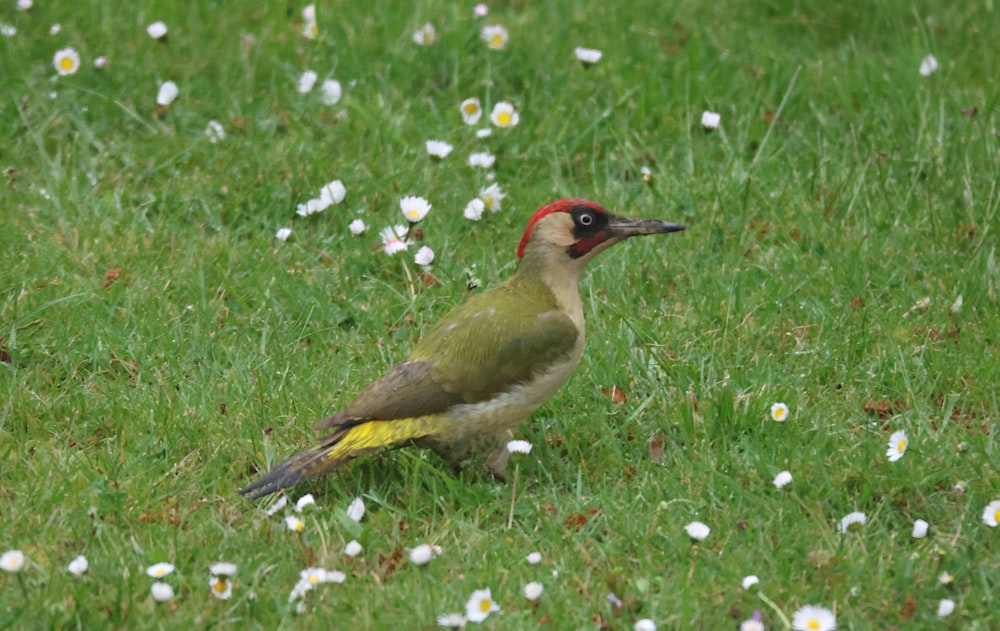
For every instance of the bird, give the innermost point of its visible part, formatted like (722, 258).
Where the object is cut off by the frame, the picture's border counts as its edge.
(484, 367)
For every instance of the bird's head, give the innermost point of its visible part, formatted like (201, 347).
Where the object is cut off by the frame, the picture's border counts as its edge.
(578, 230)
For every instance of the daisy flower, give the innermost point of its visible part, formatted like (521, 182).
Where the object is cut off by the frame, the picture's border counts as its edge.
(215, 131)
(101, 62)
(222, 588)
(157, 30)
(305, 500)
(779, 412)
(422, 554)
(306, 81)
(534, 558)
(451, 620)
(167, 93)
(852, 522)
(414, 208)
(492, 196)
(482, 159)
(480, 10)
(333, 193)
(753, 623)
(480, 605)
(159, 570)
(331, 92)
(294, 523)
(12, 561)
(485, 132)
(504, 115)
(710, 120)
(356, 510)
(24, 5)
(928, 66)
(533, 590)
(645, 625)
(78, 566)
(474, 210)
(496, 38)
(353, 548)
(589, 56)
(55, 29)
(897, 446)
(357, 227)
(647, 174)
(222, 568)
(991, 514)
(783, 478)
(7, 30)
(519, 447)
(920, 529)
(424, 256)
(309, 13)
(471, 111)
(750, 581)
(425, 35)
(945, 608)
(813, 618)
(438, 148)
(310, 29)
(161, 592)
(697, 530)
(66, 61)
(282, 500)
(393, 242)
(945, 578)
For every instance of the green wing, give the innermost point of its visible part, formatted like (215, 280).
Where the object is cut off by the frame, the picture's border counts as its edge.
(492, 341)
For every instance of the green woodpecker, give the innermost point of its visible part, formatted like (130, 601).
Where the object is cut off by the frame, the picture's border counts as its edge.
(488, 364)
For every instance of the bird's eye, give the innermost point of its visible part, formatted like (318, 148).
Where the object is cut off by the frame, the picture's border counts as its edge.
(586, 219)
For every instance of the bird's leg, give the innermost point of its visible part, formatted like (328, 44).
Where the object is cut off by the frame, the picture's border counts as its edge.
(496, 460)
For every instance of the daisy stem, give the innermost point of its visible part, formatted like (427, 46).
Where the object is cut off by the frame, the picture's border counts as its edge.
(513, 497)
(781, 614)
(24, 588)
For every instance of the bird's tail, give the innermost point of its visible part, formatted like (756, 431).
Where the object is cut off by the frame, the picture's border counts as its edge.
(341, 446)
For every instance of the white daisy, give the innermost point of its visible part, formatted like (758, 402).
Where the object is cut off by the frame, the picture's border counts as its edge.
(167, 93)
(159, 570)
(12, 561)
(424, 256)
(482, 160)
(215, 131)
(278, 504)
(333, 192)
(851, 522)
(644, 624)
(920, 529)
(425, 35)
(928, 66)
(157, 30)
(101, 62)
(779, 412)
(414, 208)
(710, 120)
(451, 620)
(282, 234)
(305, 500)
(504, 115)
(534, 558)
(331, 92)
(474, 210)
(471, 111)
(294, 524)
(495, 35)
(222, 588)
(480, 605)
(897, 446)
(519, 447)
(783, 478)
(161, 592)
(750, 581)
(533, 590)
(356, 510)
(813, 618)
(492, 196)
(422, 554)
(309, 13)
(480, 10)
(589, 56)
(485, 132)
(222, 568)
(357, 227)
(945, 607)
(393, 242)
(307, 81)
(991, 514)
(697, 530)
(353, 548)
(438, 148)
(78, 566)
(66, 61)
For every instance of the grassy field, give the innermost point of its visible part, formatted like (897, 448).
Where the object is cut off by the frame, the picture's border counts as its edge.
(160, 347)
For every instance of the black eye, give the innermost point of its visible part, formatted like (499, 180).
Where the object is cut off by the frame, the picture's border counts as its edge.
(586, 219)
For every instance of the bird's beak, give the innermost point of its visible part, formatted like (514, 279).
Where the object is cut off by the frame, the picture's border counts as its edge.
(626, 227)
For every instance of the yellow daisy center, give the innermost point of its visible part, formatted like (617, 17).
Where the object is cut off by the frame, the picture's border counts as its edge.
(314, 579)
(779, 413)
(504, 119)
(484, 605)
(412, 213)
(314, 29)
(813, 624)
(66, 63)
(220, 586)
(901, 447)
(488, 201)
(496, 41)
(471, 108)
(996, 516)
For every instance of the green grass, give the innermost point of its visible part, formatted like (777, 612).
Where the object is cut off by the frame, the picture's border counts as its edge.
(841, 189)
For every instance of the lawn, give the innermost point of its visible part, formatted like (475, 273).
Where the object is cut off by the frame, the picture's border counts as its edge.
(161, 347)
